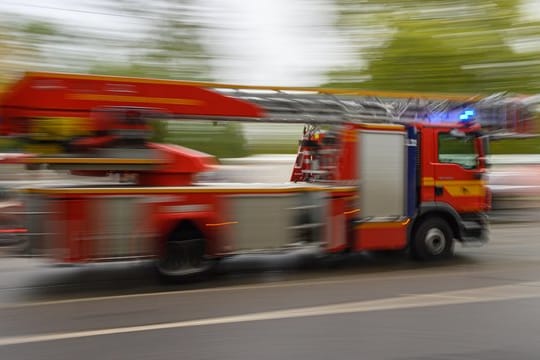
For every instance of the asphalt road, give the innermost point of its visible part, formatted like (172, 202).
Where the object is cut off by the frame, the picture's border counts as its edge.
(484, 304)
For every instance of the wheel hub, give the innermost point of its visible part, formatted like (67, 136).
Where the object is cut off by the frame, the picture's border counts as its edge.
(435, 241)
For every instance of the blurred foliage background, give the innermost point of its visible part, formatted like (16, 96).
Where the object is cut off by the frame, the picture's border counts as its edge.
(481, 46)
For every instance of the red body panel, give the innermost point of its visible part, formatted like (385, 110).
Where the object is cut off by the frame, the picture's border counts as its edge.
(381, 236)
(347, 164)
(78, 228)
(181, 164)
(341, 211)
(47, 94)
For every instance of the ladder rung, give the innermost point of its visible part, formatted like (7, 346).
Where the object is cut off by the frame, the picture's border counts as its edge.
(306, 226)
(306, 207)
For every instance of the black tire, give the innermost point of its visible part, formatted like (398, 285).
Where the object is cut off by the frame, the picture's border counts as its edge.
(184, 257)
(432, 240)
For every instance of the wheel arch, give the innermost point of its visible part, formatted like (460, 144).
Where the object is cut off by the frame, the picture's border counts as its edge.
(187, 225)
(440, 210)
(181, 222)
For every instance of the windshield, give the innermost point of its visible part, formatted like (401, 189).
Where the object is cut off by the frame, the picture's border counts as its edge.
(458, 150)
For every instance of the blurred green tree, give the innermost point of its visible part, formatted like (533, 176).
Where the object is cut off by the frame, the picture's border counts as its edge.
(20, 44)
(171, 48)
(165, 43)
(170, 45)
(439, 45)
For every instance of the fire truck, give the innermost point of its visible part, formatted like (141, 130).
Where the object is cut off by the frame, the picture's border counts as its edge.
(374, 171)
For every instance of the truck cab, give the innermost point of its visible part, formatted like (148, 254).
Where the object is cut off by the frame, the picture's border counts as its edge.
(406, 176)
(453, 178)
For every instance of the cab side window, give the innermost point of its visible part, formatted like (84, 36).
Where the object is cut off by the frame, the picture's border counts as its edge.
(457, 150)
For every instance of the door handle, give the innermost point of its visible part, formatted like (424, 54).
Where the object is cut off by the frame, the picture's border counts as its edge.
(478, 176)
(438, 190)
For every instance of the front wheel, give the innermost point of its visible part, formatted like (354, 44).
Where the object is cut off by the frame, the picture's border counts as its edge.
(432, 240)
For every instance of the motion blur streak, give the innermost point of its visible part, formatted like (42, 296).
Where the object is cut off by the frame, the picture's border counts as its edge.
(487, 294)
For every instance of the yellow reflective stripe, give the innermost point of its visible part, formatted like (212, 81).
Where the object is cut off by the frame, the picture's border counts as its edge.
(458, 188)
(465, 190)
(349, 136)
(460, 182)
(428, 181)
(126, 98)
(390, 127)
(168, 190)
(384, 224)
(53, 160)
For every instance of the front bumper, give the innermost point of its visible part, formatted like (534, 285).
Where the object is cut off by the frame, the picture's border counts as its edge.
(474, 229)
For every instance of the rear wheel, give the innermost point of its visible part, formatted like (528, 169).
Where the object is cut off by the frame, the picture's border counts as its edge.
(432, 240)
(184, 257)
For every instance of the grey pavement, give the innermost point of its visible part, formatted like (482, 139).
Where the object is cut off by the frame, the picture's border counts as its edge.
(484, 304)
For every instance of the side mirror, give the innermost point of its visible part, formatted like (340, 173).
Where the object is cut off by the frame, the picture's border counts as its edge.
(483, 162)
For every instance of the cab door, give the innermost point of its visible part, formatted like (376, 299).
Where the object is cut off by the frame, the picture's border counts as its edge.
(458, 174)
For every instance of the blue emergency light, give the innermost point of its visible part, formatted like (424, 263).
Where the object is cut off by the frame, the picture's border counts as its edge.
(467, 115)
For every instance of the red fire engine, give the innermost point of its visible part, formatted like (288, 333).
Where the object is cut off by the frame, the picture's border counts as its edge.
(374, 171)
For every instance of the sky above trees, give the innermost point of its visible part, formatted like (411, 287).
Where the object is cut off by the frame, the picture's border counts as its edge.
(432, 45)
